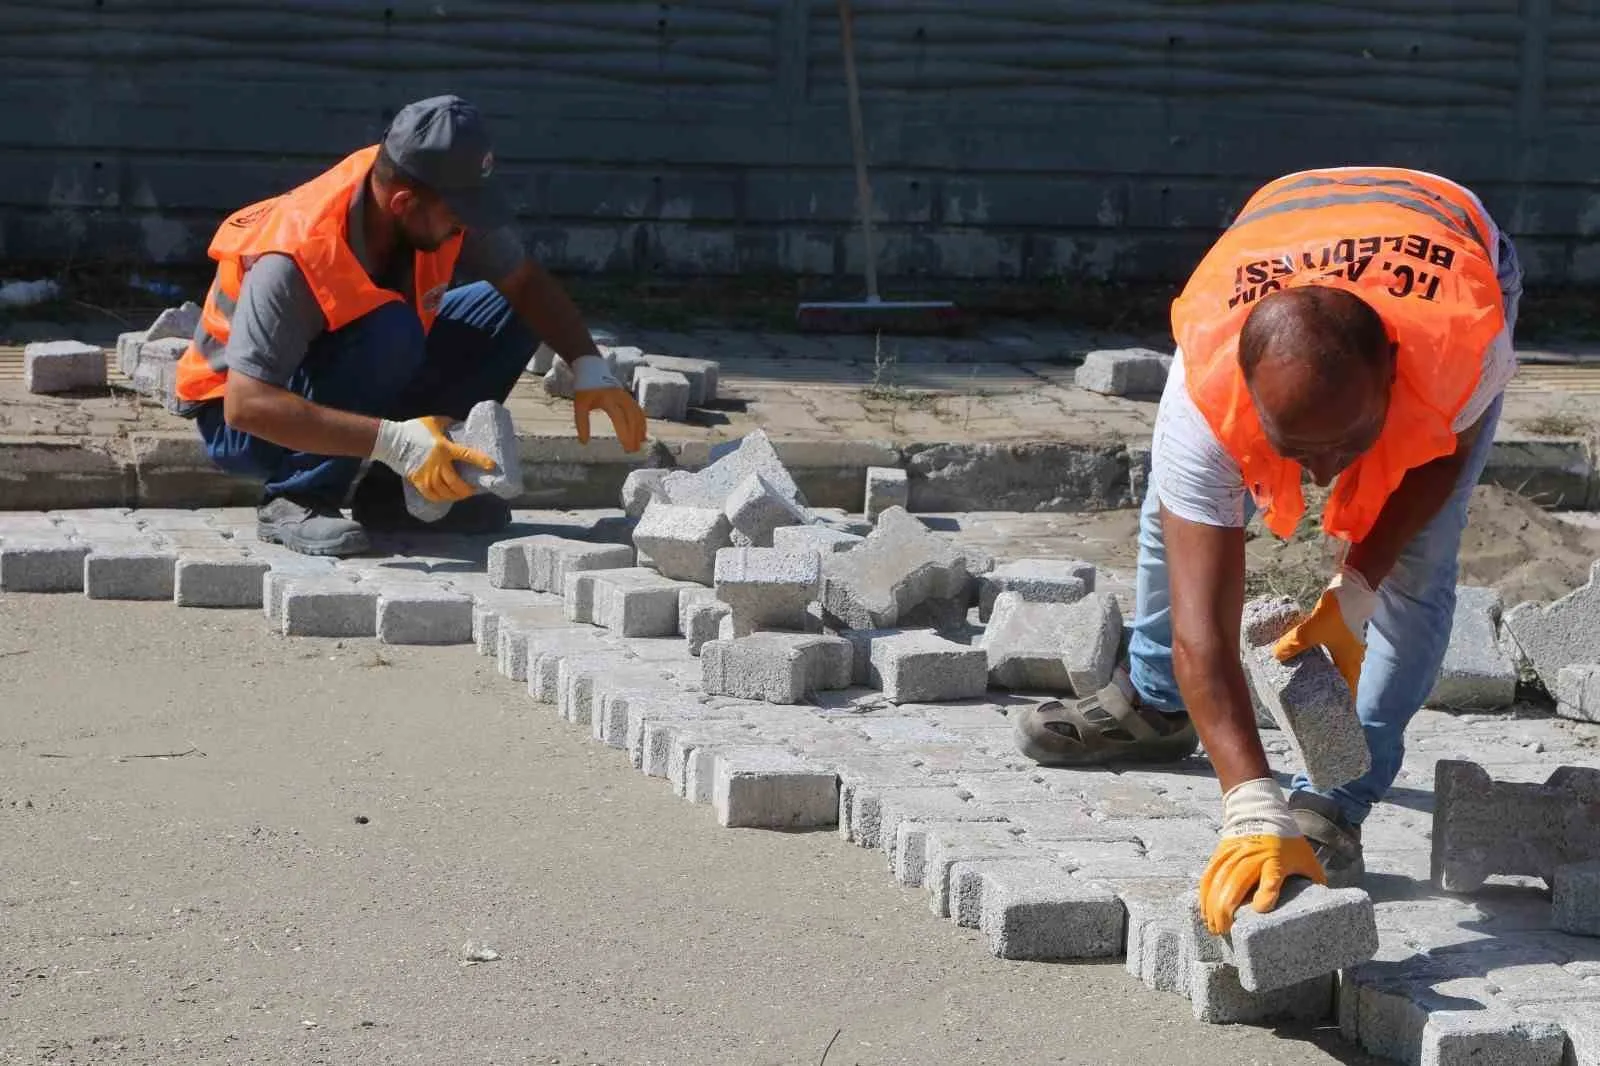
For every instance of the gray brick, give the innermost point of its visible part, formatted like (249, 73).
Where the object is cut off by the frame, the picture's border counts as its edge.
(944, 844)
(1034, 909)
(909, 855)
(924, 804)
(682, 542)
(128, 345)
(177, 323)
(63, 366)
(222, 578)
(41, 563)
(1576, 902)
(1124, 372)
(887, 486)
(769, 788)
(329, 607)
(424, 615)
(632, 602)
(1476, 673)
(508, 562)
(640, 487)
(755, 509)
(820, 539)
(615, 694)
(1068, 648)
(1036, 581)
(547, 649)
(1305, 696)
(702, 621)
(918, 666)
(1563, 633)
(1490, 1038)
(691, 751)
(776, 667)
(282, 572)
(862, 774)
(1577, 693)
(156, 373)
(1217, 997)
(490, 429)
(711, 487)
(626, 362)
(900, 567)
(1312, 932)
(700, 373)
(662, 394)
(551, 559)
(131, 570)
(652, 729)
(575, 684)
(1483, 828)
(766, 588)
(516, 627)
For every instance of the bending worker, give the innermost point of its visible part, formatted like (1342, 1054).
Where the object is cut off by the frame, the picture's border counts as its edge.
(332, 334)
(1353, 324)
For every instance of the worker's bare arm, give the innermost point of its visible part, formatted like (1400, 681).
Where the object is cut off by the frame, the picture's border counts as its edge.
(542, 302)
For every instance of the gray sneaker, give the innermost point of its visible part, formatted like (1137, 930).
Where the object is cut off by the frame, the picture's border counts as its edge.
(310, 527)
(1334, 841)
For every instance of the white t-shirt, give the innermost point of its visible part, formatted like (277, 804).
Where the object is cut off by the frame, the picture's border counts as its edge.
(1198, 480)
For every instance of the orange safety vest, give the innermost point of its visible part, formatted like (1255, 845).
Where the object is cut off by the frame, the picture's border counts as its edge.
(1418, 249)
(310, 223)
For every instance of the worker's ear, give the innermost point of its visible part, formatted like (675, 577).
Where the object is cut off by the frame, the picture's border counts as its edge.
(401, 201)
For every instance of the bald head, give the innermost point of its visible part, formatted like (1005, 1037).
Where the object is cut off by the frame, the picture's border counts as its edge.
(1319, 366)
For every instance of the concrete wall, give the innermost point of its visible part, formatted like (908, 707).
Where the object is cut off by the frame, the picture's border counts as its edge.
(1010, 138)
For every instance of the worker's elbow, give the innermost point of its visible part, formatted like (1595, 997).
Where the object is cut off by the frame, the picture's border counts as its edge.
(243, 411)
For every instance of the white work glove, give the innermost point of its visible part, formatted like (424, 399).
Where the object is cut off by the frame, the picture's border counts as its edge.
(595, 386)
(1261, 847)
(419, 451)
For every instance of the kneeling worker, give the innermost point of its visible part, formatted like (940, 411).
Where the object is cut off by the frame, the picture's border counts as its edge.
(331, 334)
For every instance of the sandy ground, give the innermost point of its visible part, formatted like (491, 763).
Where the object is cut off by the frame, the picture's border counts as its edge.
(300, 886)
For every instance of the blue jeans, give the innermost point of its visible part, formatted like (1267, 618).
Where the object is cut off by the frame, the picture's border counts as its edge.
(383, 365)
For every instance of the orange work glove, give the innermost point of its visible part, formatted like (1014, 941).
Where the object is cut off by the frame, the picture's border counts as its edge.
(419, 451)
(1338, 623)
(596, 387)
(1261, 848)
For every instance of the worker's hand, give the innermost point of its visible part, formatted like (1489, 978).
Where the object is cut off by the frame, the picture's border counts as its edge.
(419, 451)
(595, 387)
(1261, 848)
(1338, 623)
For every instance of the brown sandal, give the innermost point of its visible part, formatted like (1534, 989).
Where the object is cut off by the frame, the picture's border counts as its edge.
(1102, 728)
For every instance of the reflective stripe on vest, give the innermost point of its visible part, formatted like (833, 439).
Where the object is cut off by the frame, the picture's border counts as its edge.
(1394, 191)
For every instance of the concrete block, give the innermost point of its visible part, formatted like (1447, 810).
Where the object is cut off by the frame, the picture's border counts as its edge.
(626, 362)
(156, 372)
(1477, 674)
(43, 562)
(653, 731)
(516, 628)
(1577, 693)
(128, 345)
(769, 788)
(63, 366)
(131, 570)
(1305, 696)
(282, 572)
(901, 566)
(944, 844)
(918, 666)
(632, 602)
(662, 394)
(539, 364)
(616, 692)
(712, 486)
(887, 487)
(1563, 633)
(880, 812)
(640, 487)
(1576, 898)
(1124, 372)
(766, 588)
(692, 749)
(222, 578)
(682, 542)
(489, 428)
(1035, 909)
(700, 373)
(1036, 581)
(1483, 828)
(424, 615)
(508, 562)
(551, 559)
(546, 649)
(776, 667)
(1217, 997)
(176, 323)
(1313, 931)
(756, 509)
(1067, 648)
(820, 539)
(329, 607)
(700, 620)
(1492, 1037)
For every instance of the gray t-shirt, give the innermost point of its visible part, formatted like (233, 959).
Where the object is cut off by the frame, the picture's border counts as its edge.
(278, 317)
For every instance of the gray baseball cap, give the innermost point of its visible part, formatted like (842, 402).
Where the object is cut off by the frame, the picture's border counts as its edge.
(443, 143)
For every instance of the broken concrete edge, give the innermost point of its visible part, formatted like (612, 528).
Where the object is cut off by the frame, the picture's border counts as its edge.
(172, 470)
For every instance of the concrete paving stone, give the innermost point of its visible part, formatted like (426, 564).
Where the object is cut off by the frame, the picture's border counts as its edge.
(156, 373)
(1036, 581)
(919, 666)
(575, 684)
(1477, 674)
(1006, 786)
(899, 567)
(1563, 633)
(1576, 898)
(711, 487)
(128, 345)
(1313, 931)
(755, 509)
(176, 323)
(944, 844)
(820, 539)
(489, 429)
(703, 622)
(165, 518)
(1066, 648)
(1218, 998)
(911, 818)
(1577, 693)
(1384, 1006)
(328, 606)
(547, 649)
(887, 486)
(1483, 828)
(1036, 910)
(691, 751)
(649, 738)
(222, 578)
(641, 487)
(683, 542)
(865, 770)
(700, 373)
(424, 615)
(1124, 372)
(131, 570)
(901, 732)
(776, 667)
(45, 562)
(205, 540)
(1490, 1038)
(767, 588)
(966, 880)
(662, 394)
(62, 366)
(508, 563)
(487, 606)
(637, 602)
(551, 559)
(1305, 696)
(1581, 1024)
(958, 759)
(1054, 821)
(283, 571)
(514, 628)
(770, 788)
(924, 803)
(615, 694)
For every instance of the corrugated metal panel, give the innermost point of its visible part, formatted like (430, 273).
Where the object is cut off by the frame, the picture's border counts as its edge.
(1011, 138)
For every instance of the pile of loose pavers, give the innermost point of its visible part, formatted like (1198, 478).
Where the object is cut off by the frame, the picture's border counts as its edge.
(799, 668)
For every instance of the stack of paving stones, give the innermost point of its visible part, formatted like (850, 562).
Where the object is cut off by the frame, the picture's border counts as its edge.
(149, 358)
(667, 387)
(901, 748)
